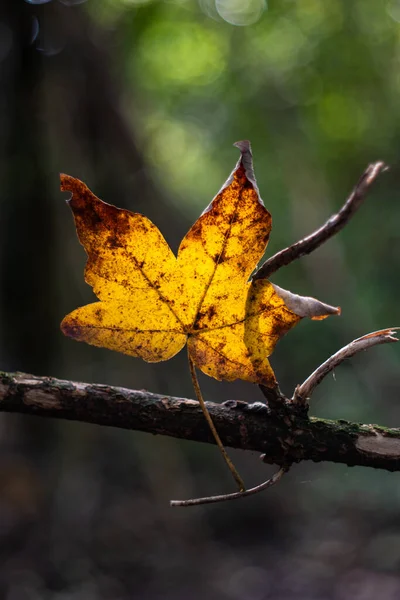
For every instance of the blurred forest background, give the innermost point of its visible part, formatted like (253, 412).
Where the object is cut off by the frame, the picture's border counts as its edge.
(143, 100)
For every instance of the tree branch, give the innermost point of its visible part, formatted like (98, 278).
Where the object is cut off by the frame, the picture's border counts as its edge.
(330, 228)
(283, 438)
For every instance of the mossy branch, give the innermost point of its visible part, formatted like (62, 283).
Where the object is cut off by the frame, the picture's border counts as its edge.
(285, 436)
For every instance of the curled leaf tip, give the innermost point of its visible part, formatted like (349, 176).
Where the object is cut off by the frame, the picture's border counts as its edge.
(246, 161)
(79, 190)
(72, 184)
(305, 306)
(243, 171)
(244, 146)
(67, 183)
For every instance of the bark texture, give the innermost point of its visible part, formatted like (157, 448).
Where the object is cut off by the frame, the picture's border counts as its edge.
(285, 436)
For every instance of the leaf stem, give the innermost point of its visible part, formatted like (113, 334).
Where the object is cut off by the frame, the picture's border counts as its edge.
(211, 425)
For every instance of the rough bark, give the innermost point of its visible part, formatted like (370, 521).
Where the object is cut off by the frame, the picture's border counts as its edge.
(286, 436)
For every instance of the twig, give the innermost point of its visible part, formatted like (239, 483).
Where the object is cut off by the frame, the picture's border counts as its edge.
(330, 228)
(383, 336)
(236, 495)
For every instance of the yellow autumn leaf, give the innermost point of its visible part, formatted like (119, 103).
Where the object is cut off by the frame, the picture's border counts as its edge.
(151, 303)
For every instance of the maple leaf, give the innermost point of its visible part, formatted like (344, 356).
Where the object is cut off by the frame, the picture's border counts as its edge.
(152, 303)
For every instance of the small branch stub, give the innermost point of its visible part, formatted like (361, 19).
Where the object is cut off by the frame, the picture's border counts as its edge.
(384, 336)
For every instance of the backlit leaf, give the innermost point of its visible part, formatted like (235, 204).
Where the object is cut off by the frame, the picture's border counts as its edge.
(151, 303)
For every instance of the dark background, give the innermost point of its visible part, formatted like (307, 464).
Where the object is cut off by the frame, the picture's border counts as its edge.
(143, 100)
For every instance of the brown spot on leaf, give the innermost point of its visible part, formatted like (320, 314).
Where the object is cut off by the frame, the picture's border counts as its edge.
(71, 329)
(211, 312)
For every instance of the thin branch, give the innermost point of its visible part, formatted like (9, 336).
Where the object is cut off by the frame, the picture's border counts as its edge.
(285, 439)
(235, 495)
(330, 228)
(383, 336)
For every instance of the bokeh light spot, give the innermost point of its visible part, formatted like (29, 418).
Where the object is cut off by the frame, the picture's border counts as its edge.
(180, 152)
(393, 10)
(318, 17)
(240, 12)
(342, 117)
(278, 48)
(208, 7)
(181, 53)
(135, 2)
(35, 30)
